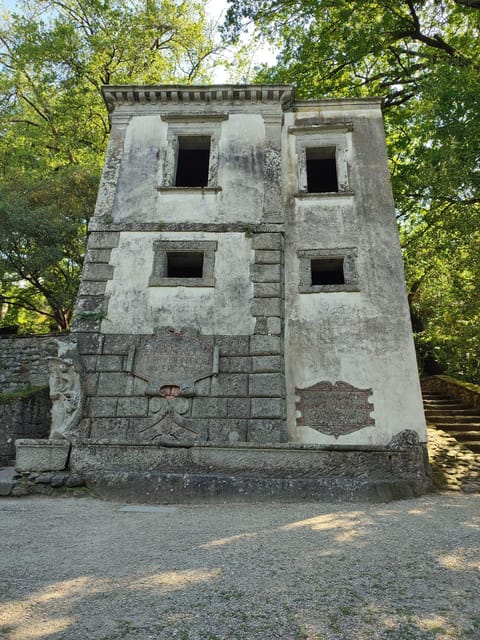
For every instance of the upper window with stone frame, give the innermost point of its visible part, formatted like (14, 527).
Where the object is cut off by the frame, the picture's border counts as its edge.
(328, 270)
(183, 263)
(191, 158)
(322, 152)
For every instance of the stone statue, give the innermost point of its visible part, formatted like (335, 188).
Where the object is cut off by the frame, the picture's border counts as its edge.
(65, 393)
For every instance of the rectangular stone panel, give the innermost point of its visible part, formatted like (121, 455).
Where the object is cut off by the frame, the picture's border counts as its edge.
(266, 384)
(97, 271)
(265, 345)
(267, 290)
(274, 326)
(238, 407)
(268, 241)
(118, 344)
(264, 273)
(209, 408)
(90, 343)
(41, 455)
(132, 407)
(267, 307)
(103, 407)
(268, 257)
(103, 239)
(266, 364)
(93, 304)
(264, 431)
(110, 363)
(98, 255)
(114, 429)
(228, 431)
(267, 408)
(92, 288)
(112, 384)
(230, 384)
(236, 364)
(233, 345)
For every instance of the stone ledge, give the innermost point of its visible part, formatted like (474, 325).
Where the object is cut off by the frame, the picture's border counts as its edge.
(280, 461)
(175, 488)
(102, 231)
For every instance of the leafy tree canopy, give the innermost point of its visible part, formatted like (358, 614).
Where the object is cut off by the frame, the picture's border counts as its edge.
(423, 57)
(54, 57)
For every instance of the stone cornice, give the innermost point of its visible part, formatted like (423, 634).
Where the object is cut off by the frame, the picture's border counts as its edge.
(193, 95)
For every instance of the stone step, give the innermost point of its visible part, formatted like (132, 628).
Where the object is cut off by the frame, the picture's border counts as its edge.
(447, 411)
(433, 396)
(448, 407)
(451, 417)
(465, 436)
(442, 401)
(473, 445)
(458, 427)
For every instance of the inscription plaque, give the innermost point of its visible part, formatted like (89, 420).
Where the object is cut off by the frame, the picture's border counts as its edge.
(171, 361)
(334, 409)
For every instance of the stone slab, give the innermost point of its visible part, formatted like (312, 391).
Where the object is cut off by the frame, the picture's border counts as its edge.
(267, 241)
(171, 488)
(41, 455)
(282, 460)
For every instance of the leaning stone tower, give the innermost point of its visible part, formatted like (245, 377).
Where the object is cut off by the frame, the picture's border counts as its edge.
(242, 322)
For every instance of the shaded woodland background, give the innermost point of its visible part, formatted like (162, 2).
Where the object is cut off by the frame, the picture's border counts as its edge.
(422, 56)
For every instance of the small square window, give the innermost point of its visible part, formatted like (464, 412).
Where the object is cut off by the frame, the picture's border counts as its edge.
(193, 160)
(184, 264)
(327, 271)
(321, 167)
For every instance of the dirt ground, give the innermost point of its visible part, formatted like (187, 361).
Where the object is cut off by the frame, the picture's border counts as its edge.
(83, 569)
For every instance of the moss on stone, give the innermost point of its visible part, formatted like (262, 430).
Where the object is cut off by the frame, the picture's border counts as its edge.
(474, 388)
(21, 392)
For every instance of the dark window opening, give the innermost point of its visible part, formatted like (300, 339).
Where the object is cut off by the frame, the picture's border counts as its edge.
(321, 170)
(192, 161)
(327, 271)
(184, 264)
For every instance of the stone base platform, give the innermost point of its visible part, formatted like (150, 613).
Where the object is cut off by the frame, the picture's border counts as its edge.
(203, 473)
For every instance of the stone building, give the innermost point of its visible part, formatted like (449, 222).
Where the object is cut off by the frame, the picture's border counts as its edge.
(242, 323)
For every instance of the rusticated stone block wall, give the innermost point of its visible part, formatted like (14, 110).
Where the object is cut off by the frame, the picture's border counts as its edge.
(23, 360)
(27, 417)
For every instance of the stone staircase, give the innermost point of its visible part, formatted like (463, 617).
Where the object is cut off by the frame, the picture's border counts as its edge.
(454, 417)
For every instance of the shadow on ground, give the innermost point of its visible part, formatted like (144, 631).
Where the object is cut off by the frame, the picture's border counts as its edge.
(85, 569)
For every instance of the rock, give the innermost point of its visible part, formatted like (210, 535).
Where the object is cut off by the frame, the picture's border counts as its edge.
(43, 478)
(19, 490)
(471, 487)
(74, 480)
(58, 481)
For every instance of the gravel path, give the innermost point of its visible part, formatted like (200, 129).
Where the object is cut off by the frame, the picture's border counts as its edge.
(82, 569)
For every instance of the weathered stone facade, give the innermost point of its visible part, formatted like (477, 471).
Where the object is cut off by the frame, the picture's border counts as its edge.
(243, 294)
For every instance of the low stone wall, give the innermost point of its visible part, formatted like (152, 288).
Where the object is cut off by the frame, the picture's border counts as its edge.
(458, 389)
(23, 417)
(23, 360)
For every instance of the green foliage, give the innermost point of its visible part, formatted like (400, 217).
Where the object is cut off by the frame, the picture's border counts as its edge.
(54, 58)
(43, 224)
(423, 57)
